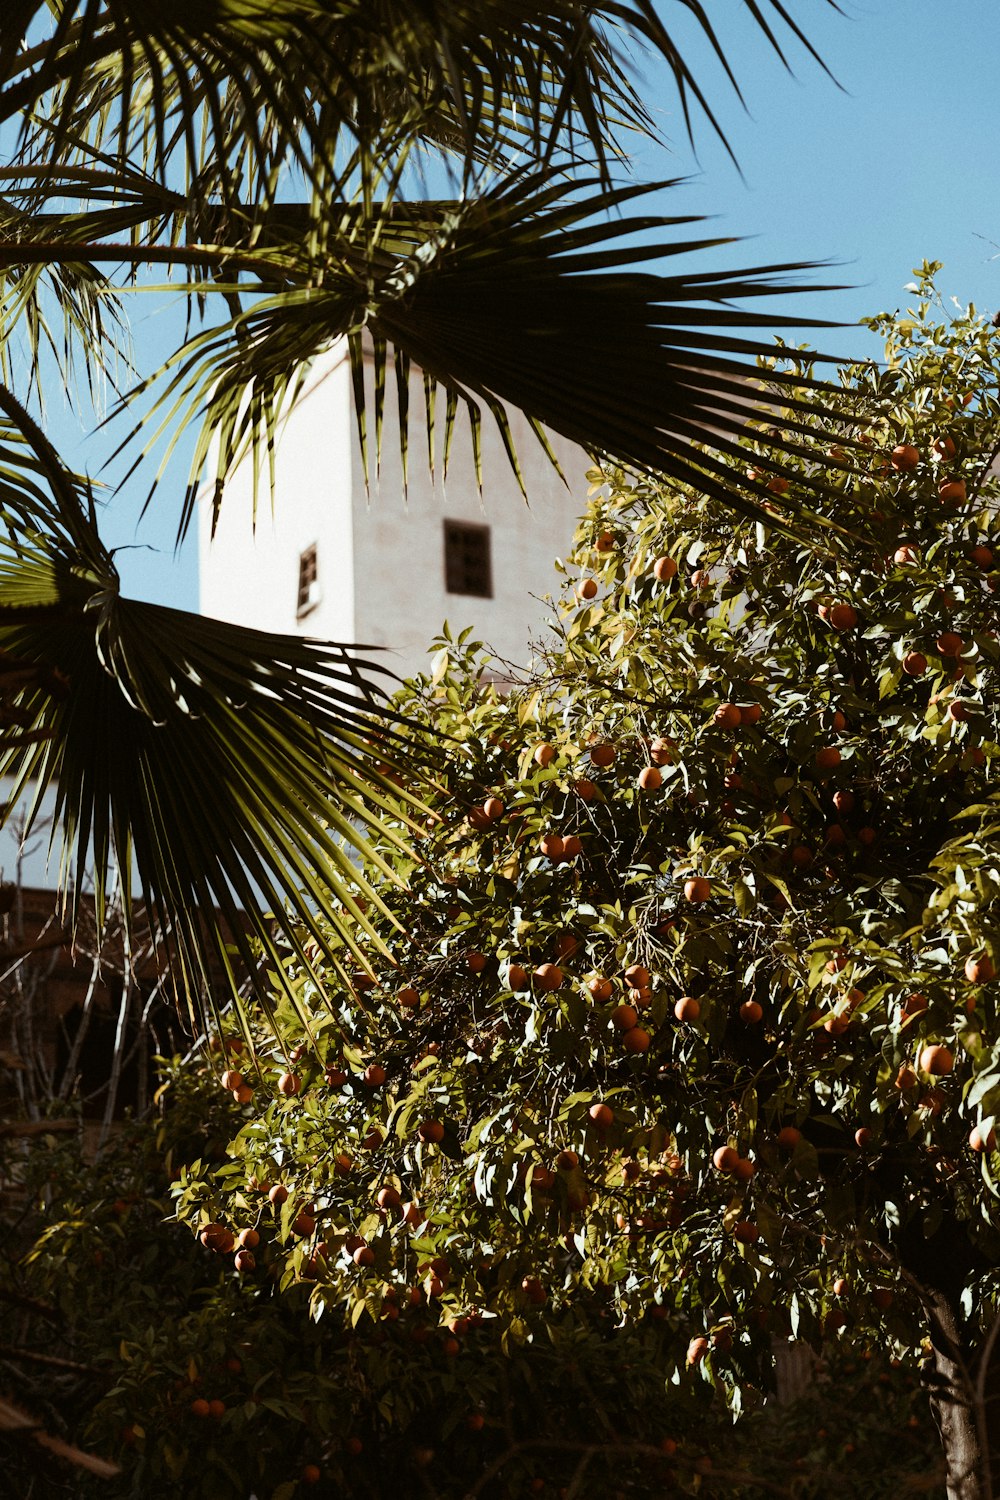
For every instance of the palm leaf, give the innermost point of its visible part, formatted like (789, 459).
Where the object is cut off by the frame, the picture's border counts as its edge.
(527, 297)
(232, 769)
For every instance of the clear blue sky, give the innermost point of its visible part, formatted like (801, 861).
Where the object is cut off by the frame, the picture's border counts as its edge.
(900, 163)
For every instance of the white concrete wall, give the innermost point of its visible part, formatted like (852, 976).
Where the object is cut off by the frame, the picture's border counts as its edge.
(401, 599)
(251, 576)
(381, 555)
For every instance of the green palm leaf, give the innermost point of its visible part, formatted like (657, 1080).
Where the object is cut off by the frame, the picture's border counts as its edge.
(232, 769)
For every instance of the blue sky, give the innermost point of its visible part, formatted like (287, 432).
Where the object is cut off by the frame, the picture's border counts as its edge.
(898, 164)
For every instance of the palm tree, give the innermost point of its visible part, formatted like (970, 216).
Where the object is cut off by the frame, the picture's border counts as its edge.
(272, 156)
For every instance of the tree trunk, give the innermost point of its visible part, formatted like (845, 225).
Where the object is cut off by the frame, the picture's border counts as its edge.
(957, 1406)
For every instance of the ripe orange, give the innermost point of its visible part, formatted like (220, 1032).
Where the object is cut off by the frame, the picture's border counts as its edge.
(725, 1159)
(199, 1407)
(231, 1079)
(248, 1239)
(980, 1142)
(958, 710)
(944, 447)
(777, 485)
(728, 716)
(828, 756)
(664, 568)
(602, 1116)
(696, 1351)
(243, 1094)
(750, 713)
(863, 1136)
(952, 491)
(571, 846)
(374, 1075)
(904, 458)
(605, 542)
(687, 1009)
(906, 1078)
(980, 969)
(914, 1004)
(982, 556)
(843, 616)
(336, 1077)
(746, 1233)
(600, 988)
(289, 1084)
(936, 1059)
(476, 962)
(636, 1039)
(431, 1131)
(475, 1421)
(567, 1161)
(549, 976)
(408, 997)
(586, 588)
(354, 1446)
(551, 845)
(278, 1194)
(788, 1137)
(949, 644)
(311, 1474)
(906, 557)
(697, 889)
(544, 754)
(245, 1260)
(661, 751)
(744, 1169)
(517, 978)
(649, 779)
(751, 1011)
(216, 1409)
(625, 1017)
(585, 789)
(914, 663)
(493, 808)
(364, 1255)
(843, 801)
(388, 1198)
(602, 754)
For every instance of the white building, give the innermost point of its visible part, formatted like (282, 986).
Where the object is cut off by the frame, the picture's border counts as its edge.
(334, 562)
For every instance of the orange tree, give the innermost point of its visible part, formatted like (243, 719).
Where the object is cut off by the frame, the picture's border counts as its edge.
(692, 1013)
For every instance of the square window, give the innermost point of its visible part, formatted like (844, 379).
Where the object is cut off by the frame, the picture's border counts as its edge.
(309, 591)
(467, 567)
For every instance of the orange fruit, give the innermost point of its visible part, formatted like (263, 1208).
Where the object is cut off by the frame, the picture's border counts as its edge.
(696, 1351)
(746, 1233)
(585, 789)
(625, 1017)
(944, 447)
(602, 754)
(600, 988)
(364, 1255)
(602, 1116)
(906, 557)
(982, 556)
(636, 1039)
(914, 664)
(476, 962)
(248, 1239)
(697, 889)
(980, 969)
(958, 711)
(751, 1011)
(517, 978)
(231, 1079)
(571, 846)
(952, 491)
(724, 1159)
(949, 644)
(788, 1137)
(243, 1094)
(980, 1142)
(750, 713)
(244, 1260)
(664, 568)
(687, 1009)
(649, 779)
(549, 976)
(289, 1084)
(843, 616)
(661, 751)
(936, 1059)
(843, 801)
(544, 754)
(374, 1075)
(828, 756)
(862, 1137)
(493, 808)
(904, 458)
(605, 542)
(431, 1131)
(311, 1474)
(408, 997)
(728, 716)
(278, 1194)
(586, 588)
(199, 1407)
(567, 1161)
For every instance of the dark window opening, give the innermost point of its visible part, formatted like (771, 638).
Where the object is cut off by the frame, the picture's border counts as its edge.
(467, 568)
(309, 594)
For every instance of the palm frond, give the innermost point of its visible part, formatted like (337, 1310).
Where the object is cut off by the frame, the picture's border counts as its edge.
(233, 770)
(528, 297)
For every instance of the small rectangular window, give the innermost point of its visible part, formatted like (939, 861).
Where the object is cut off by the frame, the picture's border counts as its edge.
(467, 568)
(309, 591)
